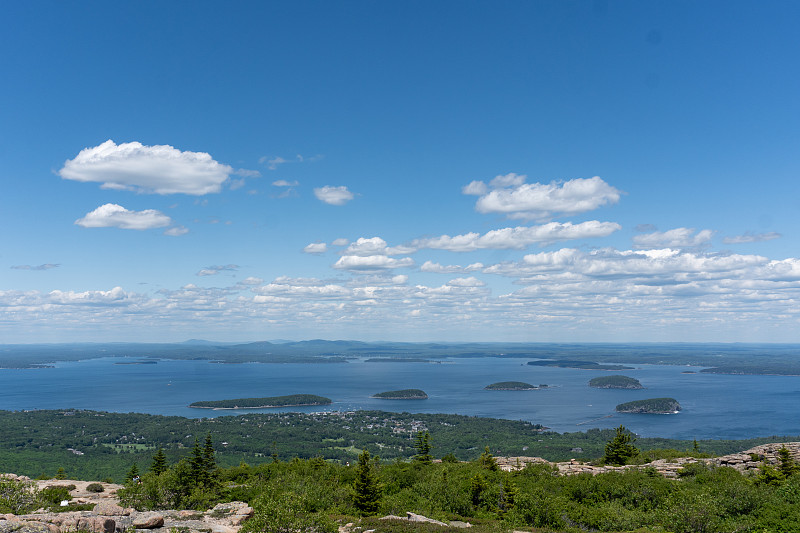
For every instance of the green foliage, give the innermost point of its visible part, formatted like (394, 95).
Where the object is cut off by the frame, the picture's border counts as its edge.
(787, 466)
(159, 464)
(487, 460)
(422, 444)
(615, 382)
(620, 449)
(95, 487)
(61, 473)
(286, 513)
(366, 488)
(650, 405)
(54, 494)
(404, 394)
(132, 474)
(510, 385)
(449, 458)
(17, 496)
(290, 400)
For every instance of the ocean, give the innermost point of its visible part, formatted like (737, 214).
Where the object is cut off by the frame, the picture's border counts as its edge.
(714, 406)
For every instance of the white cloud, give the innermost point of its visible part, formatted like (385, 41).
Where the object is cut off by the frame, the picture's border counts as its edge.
(333, 195)
(46, 266)
(466, 282)
(373, 262)
(674, 238)
(273, 163)
(176, 231)
(375, 246)
(114, 296)
(159, 169)
(216, 269)
(116, 216)
(430, 266)
(749, 237)
(341, 242)
(519, 237)
(284, 183)
(246, 173)
(316, 248)
(537, 201)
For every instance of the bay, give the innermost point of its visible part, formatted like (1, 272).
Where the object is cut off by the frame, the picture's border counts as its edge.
(714, 406)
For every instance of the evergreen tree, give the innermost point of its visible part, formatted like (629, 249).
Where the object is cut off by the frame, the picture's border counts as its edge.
(787, 465)
(620, 448)
(477, 486)
(508, 494)
(487, 460)
(209, 460)
(423, 446)
(367, 489)
(197, 464)
(132, 473)
(159, 464)
(61, 473)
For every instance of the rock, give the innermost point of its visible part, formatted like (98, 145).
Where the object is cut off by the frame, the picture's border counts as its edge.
(109, 508)
(219, 528)
(96, 524)
(147, 520)
(413, 517)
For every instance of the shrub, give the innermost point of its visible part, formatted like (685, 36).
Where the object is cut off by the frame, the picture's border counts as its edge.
(54, 494)
(95, 487)
(17, 497)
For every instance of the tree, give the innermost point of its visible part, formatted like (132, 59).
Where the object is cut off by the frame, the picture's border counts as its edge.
(787, 465)
(620, 448)
(423, 446)
(209, 460)
(61, 473)
(132, 474)
(159, 464)
(367, 489)
(487, 460)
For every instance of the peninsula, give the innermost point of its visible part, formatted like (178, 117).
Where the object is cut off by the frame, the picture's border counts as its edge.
(510, 385)
(615, 382)
(292, 400)
(658, 406)
(569, 363)
(404, 394)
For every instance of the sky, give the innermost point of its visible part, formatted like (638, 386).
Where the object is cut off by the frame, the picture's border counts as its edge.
(533, 171)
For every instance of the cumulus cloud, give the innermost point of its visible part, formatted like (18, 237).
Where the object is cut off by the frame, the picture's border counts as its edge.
(340, 242)
(333, 195)
(749, 237)
(520, 237)
(430, 266)
(247, 173)
(273, 163)
(116, 216)
(159, 169)
(373, 262)
(511, 196)
(471, 281)
(216, 269)
(375, 246)
(115, 296)
(46, 266)
(316, 248)
(674, 238)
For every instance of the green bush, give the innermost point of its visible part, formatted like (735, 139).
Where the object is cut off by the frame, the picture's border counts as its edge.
(17, 497)
(54, 494)
(95, 487)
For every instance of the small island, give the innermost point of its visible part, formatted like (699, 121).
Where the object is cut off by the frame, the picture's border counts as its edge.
(615, 382)
(657, 406)
(510, 385)
(569, 363)
(292, 400)
(405, 394)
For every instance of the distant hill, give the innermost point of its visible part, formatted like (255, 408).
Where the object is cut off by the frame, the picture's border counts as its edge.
(404, 394)
(656, 406)
(615, 382)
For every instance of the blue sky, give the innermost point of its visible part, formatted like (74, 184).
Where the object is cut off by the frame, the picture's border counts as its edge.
(520, 171)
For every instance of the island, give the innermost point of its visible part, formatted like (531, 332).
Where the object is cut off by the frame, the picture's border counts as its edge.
(658, 406)
(569, 363)
(292, 400)
(405, 394)
(615, 382)
(510, 385)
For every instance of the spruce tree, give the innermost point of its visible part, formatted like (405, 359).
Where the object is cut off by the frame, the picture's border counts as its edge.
(423, 446)
(787, 465)
(197, 464)
(132, 473)
(367, 490)
(487, 460)
(620, 448)
(159, 464)
(209, 460)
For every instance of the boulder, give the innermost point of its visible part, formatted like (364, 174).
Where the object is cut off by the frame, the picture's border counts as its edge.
(148, 520)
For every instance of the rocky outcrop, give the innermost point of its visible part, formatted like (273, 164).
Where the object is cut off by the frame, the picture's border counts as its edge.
(747, 461)
(108, 516)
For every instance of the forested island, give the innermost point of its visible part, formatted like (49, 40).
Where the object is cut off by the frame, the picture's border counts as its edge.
(615, 382)
(510, 385)
(586, 365)
(404, 394)
(659, 406)
(291, 400)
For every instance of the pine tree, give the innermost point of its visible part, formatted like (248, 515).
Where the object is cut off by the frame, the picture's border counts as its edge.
(159, 464)
(197, 464)
(132, 473)
(487, 460)
(367, 490)
(620, 448)
(61, 473)
(423, 446)
(209, 460)
(787, 465)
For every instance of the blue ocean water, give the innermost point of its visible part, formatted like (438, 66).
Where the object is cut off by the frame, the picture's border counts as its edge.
(714, 406)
